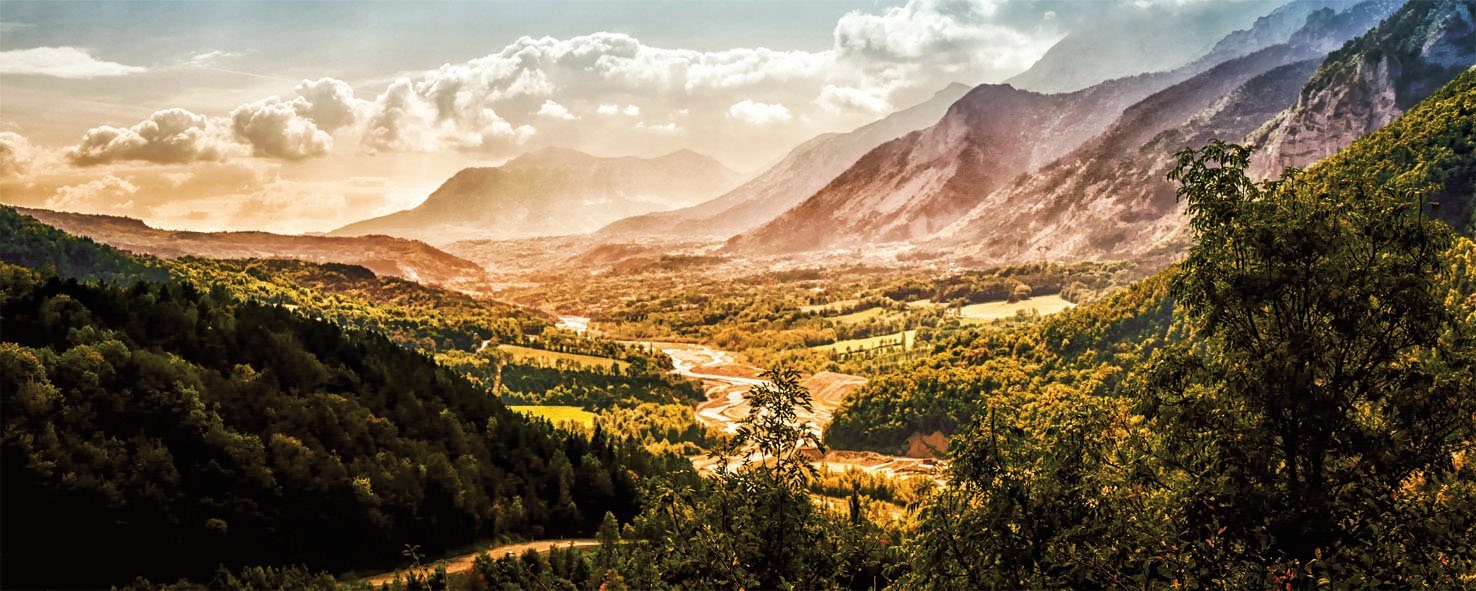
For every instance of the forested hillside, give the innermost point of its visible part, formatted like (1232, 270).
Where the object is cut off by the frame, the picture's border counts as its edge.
(180, 427)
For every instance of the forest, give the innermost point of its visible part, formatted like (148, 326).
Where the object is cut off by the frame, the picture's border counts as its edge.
(183, 428)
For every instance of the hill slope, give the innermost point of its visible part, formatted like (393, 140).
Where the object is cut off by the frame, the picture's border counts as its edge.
(182, 428)
(551, 192)
(385, 256)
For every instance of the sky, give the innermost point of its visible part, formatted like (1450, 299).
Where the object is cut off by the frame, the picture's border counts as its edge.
(302, 117)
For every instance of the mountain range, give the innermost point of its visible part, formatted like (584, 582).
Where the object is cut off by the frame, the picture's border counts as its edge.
(916, 186)
(552, 191)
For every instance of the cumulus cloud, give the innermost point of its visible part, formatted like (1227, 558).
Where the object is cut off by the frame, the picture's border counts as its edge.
(413, 117)
(16, 154)
(300, 127)
(553, 110)
(275, 128)
(951, 36)
(170, 136)
(756, 113)
(61, 62)
(109, 194)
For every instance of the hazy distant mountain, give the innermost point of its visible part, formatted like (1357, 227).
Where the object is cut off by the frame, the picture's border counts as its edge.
(1145, 41)
(550, 192)
(1369, 82)
(385, 256)
(1110, 198)
(798, 175)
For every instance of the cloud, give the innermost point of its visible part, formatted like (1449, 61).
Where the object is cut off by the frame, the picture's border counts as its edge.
(61, 62)
(408, 118)
(109, 194)
(669, 127)
(553, 110)
(954, 37)
(275, 128)
(756, 113)
(842, 99)
(208, 58)
(16, 154)
(170, 136)
(297, 128)
(612, 110)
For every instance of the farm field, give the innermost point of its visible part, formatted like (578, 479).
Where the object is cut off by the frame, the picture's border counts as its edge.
(558, 414)
(990, 311)
(904, 337)
(522, 353)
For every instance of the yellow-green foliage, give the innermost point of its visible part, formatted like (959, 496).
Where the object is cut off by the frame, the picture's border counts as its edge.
(559, 415)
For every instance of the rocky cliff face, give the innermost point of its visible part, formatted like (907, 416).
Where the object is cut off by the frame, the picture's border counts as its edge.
(1368, 83)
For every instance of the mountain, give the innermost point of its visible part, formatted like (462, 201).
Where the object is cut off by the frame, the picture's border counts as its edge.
(1368, 83)
(801, 172)
(1141, 41)
(915, 185)
(385, 256)
(1111, 197)
(921, 184)
(552, 191)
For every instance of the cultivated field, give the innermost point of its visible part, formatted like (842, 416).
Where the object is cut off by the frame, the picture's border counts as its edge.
(521, 353)
(990, 311)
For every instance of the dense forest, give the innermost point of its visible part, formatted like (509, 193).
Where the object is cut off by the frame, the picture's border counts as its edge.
(181, 428)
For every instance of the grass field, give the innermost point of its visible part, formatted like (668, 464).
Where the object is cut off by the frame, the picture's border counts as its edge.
(831, 307)
(990, 311)
(521, 353)
(862, 316)
(558, 415)
(893, 339)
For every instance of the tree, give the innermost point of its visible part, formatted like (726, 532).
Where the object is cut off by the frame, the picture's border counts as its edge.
(1323, 369)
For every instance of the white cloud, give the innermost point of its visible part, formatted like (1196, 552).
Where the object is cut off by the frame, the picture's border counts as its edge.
(109, 194)
(611, 110)
(756, 113)
(275, 128)
(669, 127)
(208, 58)
(61, 62)
(407, 117)
(553, 110)
(170, 136)
(16, 154)
(955, 37)
(301, 127)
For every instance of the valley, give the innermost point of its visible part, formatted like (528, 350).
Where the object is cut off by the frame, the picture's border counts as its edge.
(982, 295)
